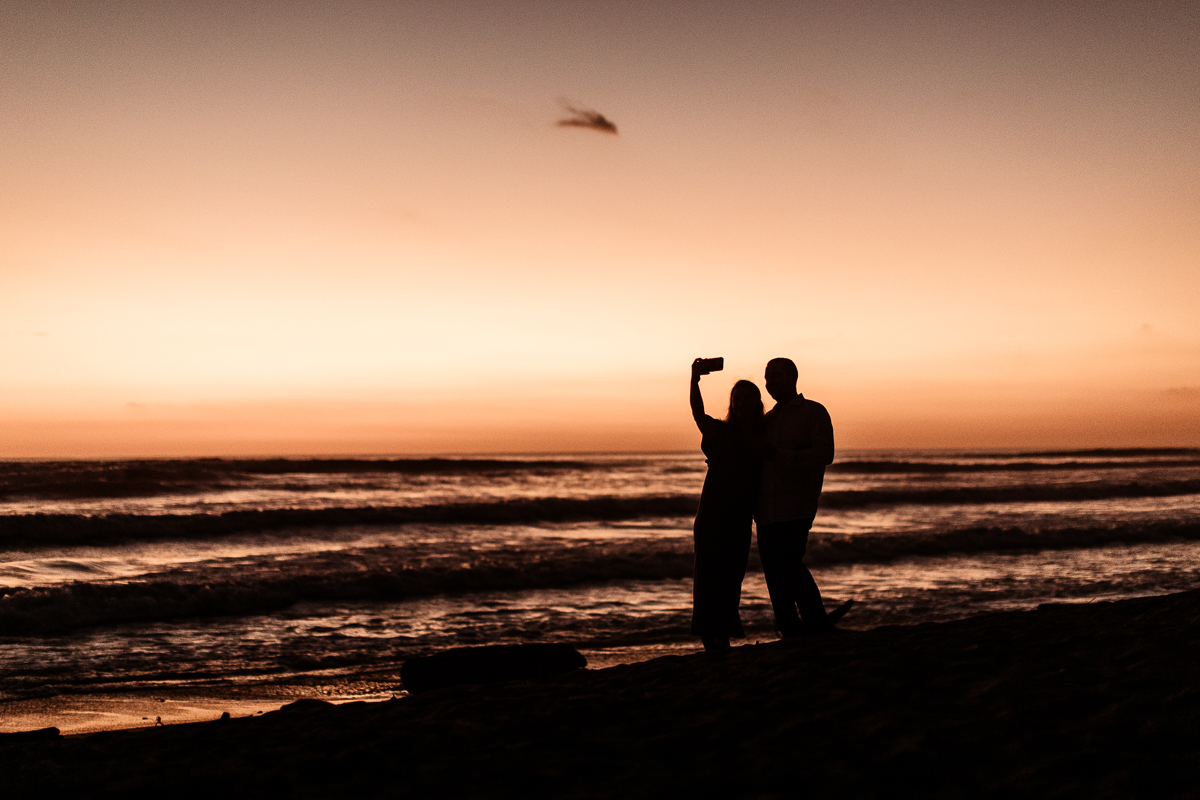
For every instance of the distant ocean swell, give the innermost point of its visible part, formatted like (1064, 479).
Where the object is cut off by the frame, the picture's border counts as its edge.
(78, 529)
(100, 479)
(1027, 493)
(61, 480)
(934, 467)
(265, 584)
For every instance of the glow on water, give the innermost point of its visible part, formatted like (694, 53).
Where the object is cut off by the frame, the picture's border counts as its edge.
(329, 636)
(45, 566)
(666, 474)
(315, 637)
(49, 566)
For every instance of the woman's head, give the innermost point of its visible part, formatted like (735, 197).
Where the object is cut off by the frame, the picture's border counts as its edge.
(745, 403)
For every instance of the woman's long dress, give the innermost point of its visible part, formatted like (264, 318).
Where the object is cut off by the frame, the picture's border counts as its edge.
(722, 529)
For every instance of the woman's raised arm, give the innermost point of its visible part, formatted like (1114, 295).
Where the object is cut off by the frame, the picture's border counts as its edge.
(696, 398)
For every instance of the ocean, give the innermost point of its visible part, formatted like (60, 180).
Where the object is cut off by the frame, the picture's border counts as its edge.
(118, 575)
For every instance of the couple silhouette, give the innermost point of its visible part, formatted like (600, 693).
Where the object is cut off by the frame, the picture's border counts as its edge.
(766, 468)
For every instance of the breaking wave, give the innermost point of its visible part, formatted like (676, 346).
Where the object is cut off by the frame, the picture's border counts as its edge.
(46, 529)
(383, 573)
(265, 584)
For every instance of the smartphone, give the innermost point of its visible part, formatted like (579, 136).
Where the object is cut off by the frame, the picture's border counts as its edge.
(708, 365)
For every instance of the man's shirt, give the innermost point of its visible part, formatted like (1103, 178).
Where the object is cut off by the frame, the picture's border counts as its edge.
(802, 435)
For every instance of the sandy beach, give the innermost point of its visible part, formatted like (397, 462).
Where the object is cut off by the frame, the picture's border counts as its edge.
(1095, 700)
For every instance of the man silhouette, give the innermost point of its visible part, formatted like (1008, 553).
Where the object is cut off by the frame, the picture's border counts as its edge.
(798, 446)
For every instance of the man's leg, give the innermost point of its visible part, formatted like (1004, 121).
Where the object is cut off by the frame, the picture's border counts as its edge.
(808, 599)
(789, 582)
(775, 548)
(808, 596)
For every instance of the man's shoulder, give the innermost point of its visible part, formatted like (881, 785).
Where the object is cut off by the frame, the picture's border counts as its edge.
(801, 404)
(812, 412)
(798, 407)
(813, 405)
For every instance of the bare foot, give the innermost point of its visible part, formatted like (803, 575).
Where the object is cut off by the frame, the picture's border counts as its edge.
(713, 644)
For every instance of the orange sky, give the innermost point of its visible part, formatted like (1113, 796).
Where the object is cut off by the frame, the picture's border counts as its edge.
(301, 228)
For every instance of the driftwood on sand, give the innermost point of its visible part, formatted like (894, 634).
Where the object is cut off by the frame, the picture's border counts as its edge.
(489, 664)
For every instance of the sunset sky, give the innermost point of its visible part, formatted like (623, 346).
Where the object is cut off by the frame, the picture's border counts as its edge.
(303, 228)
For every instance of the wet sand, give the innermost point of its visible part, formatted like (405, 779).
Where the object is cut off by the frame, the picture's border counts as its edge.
(92, 712)
(1098, 700)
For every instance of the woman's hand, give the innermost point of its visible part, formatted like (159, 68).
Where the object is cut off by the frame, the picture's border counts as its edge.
(696, 369)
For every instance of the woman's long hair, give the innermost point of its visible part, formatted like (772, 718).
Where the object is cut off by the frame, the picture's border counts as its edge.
(745, 408)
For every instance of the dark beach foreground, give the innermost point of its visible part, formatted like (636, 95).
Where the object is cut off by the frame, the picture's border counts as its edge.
(1099, 700)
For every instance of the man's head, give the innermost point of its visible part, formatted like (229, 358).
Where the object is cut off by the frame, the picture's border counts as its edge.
(781, 379)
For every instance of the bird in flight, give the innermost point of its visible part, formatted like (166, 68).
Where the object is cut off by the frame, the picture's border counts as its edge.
(586, 118)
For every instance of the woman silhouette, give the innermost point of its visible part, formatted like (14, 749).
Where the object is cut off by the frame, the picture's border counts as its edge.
(722, 528)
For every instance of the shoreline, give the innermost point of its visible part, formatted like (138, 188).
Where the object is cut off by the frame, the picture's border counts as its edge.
(132, 708)
(1099, 700)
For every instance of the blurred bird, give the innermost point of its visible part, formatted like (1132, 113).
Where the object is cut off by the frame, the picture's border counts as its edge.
(586, 118)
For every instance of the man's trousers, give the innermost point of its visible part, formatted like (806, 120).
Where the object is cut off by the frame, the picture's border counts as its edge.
(781, 546)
